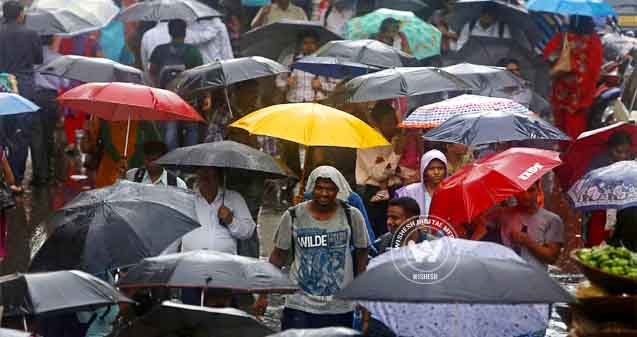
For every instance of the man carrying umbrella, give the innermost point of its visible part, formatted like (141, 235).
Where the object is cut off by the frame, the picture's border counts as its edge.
(152, 173)
(532, 231)
(320, 234)
(488, 25)
(277, 11)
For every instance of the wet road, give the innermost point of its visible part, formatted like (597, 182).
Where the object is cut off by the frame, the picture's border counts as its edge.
(27, 232)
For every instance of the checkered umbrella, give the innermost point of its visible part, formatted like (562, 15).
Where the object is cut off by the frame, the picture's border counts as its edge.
(432, 115)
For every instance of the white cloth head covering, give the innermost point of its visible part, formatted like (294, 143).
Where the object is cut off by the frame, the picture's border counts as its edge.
(329, 172)
(428, 157)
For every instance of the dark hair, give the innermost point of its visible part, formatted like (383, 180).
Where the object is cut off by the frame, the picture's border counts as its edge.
(508, 60)
(380, 110)
(46, 40)
(177, 29)
(619, 138)
(11, 10)
(309, 34)
(384, 26)
(581, 25)
(155, 148)
(409, 205)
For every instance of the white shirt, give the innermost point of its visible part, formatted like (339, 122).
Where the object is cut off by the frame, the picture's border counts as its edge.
(369, 171)
(491, 31)
(210, 36)
(214, 236)
(163, 179)
(303, 91)
(337, 20)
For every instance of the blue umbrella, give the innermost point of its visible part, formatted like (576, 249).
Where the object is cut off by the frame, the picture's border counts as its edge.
(332, 67)
(613, 186)
(13, 104)
(573, 7)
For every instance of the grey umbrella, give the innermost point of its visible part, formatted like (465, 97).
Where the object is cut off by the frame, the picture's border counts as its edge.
(208, 269)
(221, 74)
(225, 154)
(69, 17)
(487, 78)
(370, 52)
(91, 69)
(160, 10)
(490, 51)
(55, 292)
(173, 318)
(439, 273)
(324, 332)
(13, 333)
(399, 82)
(270, 40)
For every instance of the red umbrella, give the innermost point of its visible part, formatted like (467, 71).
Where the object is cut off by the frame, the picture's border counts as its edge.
(486, 182)
(589, 145)
(127, 101)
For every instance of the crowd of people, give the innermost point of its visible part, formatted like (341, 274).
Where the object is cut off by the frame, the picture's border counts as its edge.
(355, 200)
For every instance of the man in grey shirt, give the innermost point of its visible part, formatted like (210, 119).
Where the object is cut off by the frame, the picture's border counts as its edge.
(320, 234)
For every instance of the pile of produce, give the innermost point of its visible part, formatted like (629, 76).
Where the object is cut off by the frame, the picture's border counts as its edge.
(613, 260)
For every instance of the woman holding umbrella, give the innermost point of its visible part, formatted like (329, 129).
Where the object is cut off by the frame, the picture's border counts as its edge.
(390, 34)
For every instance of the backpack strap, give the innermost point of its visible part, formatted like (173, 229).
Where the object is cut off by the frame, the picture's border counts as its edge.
(327, 14)
(139, 175)
(171, 178)
(108, 310)
(348, 212)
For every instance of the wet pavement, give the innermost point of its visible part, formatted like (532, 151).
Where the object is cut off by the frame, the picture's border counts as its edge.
(27, 231)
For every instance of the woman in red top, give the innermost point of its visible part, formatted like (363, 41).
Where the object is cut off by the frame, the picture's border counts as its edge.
(573, 92)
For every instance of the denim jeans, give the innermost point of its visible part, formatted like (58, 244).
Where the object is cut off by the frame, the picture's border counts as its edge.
(297, 319)
(172, 133)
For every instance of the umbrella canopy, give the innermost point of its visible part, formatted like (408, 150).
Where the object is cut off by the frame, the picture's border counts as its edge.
(482, 184)
(91, 69)
(314, 125)
(324, 332)
(468, 279)
(433, 115)
(224, 73)
(588, 146)
(55, 292)
(208, 269)
(612, 186)
(116, 226)
(13, 333)
(399, 82)
(69, 17)
(172, 318)
(489, 51)
(13, 104)
(127, 101)
(162, 10)
(489, 125)
(269, 40)
(423, 38)
(494, 320)
(370, 52)
(488, 79)
(224, 154)
(594, 8)
(617, 45)
(332, 67)
(517, 17)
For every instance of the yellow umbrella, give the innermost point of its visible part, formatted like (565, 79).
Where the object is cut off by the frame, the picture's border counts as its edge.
(311, 124)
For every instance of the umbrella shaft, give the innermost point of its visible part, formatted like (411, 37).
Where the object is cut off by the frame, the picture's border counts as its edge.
(127, 135)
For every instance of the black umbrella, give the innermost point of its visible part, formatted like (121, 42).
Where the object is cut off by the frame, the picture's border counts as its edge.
(516, 17)
(269, 40)
(13, 333)
(324, 332)
(160, 10)
(370, 52)
(332, 67)
(493, 127)
(399, 82)
(91, 69)
(438, 273)
(116, 226)
(55, 292)
(490, 51)
(222, 74)
(173, 318)
(226, 154)
(401, 5)
(208, 269)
